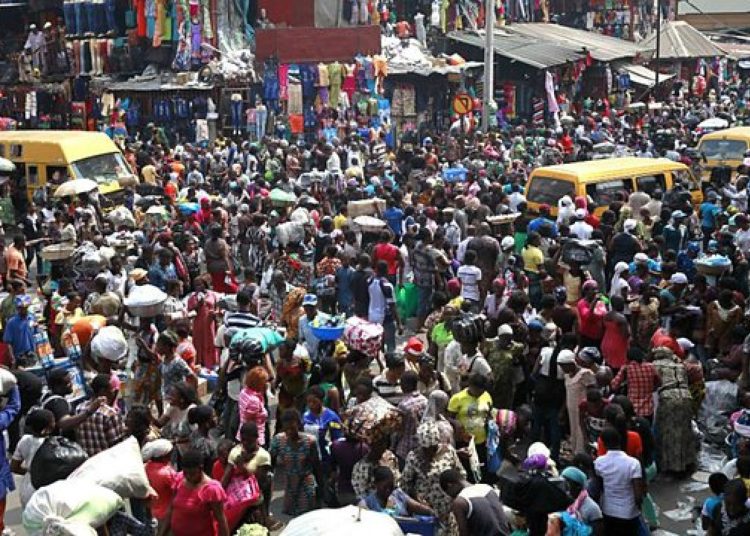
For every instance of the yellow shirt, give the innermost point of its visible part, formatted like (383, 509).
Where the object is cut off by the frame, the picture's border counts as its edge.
(261, 459)
(339, 221)
(472, 413)
(533, 258)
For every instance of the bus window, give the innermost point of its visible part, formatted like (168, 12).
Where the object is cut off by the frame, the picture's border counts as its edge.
(547, 190)
(603, 193)
(33, 176)
(687, 176)
(649, 183)
(56, 174)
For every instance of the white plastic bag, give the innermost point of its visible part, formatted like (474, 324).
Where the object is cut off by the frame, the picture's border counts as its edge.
(110, 344)
(145, 296)
(69, 508)
(119, 468)
(7, 381)
(121, 216)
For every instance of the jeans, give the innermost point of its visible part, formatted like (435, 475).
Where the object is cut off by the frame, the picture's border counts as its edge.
(236, 111)
(389, 336)
(81, 21)
(261, 118)
(69, 12)
(100, 18)
(548, 419)
(111, 6)
(90, 13)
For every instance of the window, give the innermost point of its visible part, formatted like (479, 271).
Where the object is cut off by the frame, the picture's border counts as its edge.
(102, 168)
(649, 183)
(687, 176)
(33, 176)
(56, 174)
(603, 193)
(16, 150)
(723, 149)
(547, 190)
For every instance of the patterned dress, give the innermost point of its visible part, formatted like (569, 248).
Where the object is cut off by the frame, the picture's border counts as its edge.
(421, 480)
(296, 460)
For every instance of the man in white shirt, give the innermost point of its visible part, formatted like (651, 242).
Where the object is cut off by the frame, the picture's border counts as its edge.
(382, 309)
(742, 236)
(470, 276)
(621, 482)
(580, 228)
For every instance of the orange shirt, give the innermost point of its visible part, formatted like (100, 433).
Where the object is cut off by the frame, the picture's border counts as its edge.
(15, 262)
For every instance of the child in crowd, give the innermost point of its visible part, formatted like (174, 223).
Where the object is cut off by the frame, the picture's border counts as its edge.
(716, 482)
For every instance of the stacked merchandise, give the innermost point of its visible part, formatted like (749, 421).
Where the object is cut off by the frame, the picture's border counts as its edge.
(321, 99)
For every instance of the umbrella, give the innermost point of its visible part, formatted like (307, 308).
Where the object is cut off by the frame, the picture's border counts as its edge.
(6, 166)
(347, 520)
(280, 197)
(75, 187)
(714, 123)
(188, 208)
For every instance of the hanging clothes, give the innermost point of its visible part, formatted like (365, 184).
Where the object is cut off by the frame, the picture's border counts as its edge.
(336, 79)
(349, 85)
(295, 97)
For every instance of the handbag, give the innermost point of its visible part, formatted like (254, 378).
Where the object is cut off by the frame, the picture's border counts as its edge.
(243, 491)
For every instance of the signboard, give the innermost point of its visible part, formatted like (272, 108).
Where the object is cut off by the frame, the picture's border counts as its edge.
(463, 104)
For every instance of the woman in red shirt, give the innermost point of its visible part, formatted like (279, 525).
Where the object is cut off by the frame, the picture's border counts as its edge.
(198, 503)
(385, 251)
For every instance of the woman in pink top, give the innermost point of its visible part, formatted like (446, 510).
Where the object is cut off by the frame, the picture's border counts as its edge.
(161, 476)
(197, 506)
(252, 402)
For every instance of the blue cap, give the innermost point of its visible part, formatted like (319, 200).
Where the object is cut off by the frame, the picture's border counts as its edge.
(310, 299)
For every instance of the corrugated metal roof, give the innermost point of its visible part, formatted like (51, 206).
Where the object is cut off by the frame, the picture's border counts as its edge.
(679, 40)
(543, 45)
(601, 47)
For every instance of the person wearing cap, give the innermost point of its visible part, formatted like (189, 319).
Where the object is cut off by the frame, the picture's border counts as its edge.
(19, 332)
(504, 356)
(306, 335)
(579, 228)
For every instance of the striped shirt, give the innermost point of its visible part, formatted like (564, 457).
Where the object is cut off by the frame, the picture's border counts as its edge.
(240, 320)
(389, 391)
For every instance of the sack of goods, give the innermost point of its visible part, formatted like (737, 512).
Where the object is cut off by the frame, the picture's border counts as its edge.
(69, 508)
(7, 381)
(469, 328)
(56, 458)
(119, 468)
(109, 344)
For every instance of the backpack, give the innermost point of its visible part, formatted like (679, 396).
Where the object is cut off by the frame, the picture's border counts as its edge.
(46, 399)
(468, 328)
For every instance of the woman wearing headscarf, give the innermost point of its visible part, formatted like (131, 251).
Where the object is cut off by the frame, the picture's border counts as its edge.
(619, 285)
(292, 311)
(675, 439)
(436, 412)
(424, 465)
(565, 210)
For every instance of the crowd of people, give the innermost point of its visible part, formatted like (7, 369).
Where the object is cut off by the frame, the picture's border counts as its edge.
(561, 386)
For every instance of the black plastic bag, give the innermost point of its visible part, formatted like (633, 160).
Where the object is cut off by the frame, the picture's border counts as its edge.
(56, 458)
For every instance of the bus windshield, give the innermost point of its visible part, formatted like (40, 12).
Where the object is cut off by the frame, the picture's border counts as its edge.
(723, 149)
(102, 168)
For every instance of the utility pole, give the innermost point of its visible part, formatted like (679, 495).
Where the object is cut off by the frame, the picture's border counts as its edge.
(489, 63)
(658, 44)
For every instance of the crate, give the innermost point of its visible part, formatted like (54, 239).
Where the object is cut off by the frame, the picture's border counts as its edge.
(419, 525)
(454, 175)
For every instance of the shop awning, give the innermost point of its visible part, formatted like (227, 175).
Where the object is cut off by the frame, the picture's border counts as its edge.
(541, 45)
(642, 76)
(679, 41)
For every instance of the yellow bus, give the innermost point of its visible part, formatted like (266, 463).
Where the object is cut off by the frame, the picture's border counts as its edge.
(724, 148)
(50, 157)
(599, 180)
